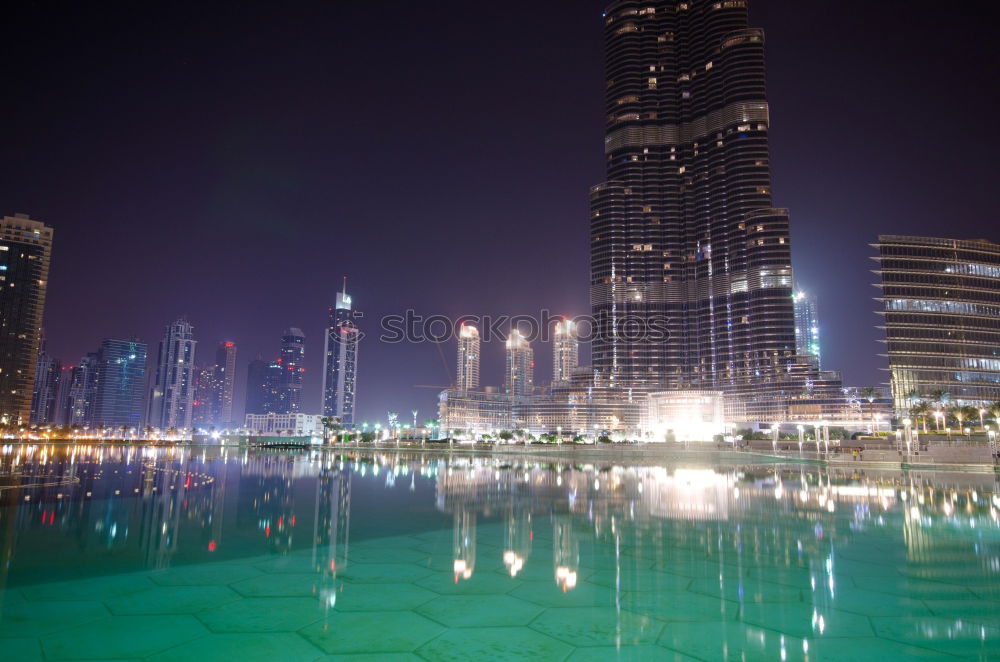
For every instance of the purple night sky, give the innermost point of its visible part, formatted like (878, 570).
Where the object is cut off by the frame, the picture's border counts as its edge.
(231, 162)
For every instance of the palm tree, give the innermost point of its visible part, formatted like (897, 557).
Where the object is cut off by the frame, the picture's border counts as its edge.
(124, 430)
(920, 411)
(994, 408)
(329, 423)
(965, 413)
(870, 393)
(941, 399)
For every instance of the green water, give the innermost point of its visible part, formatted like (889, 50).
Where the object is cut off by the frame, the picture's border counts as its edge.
(222, 554)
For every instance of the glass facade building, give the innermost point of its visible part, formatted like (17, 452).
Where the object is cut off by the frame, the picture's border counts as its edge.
(520, 373)
(25, 251)
(292, 362)
(940, 304)
(467, 377)
(691, 277)
(807, 326)
(565, 351)
(262, 384)
(340, 351)
(172, 396)
(45, 401)
(121, 383)
(225, 362)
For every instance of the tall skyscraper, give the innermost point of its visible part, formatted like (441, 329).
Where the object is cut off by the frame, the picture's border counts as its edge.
(565, 351)
(262, 385)
(292, 362)
(341, 359)
(25, 251)
(121, 383)
(225, 361)
(941, 318)
(207, 396)
(45, 393)
(520, 374)
(172, 395)
(806, 326)
(467, 373)
(81, 392)
(691, 276)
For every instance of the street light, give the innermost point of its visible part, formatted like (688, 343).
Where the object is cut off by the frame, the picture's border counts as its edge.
(909, 435)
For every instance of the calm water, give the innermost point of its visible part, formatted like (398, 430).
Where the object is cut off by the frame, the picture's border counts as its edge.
(215, 554)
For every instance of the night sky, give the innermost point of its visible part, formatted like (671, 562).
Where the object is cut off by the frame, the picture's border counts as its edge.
(231, 162)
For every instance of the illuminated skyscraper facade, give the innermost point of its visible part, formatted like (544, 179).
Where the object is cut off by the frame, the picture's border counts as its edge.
(806, 326)
(565, 351)
(25, 250)
(292, 362)
(207, 396)
(81, 391)
(225, 363)
(467, 369)
(340, 353)
(941, 310)
(121, 383)
(691, 277)
(520, 373)
(172, 396)
(45, 400)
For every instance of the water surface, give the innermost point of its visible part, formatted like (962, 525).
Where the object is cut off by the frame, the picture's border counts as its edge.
(160, 554)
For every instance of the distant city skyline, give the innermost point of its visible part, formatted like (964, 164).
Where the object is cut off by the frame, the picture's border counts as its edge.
(243, 161)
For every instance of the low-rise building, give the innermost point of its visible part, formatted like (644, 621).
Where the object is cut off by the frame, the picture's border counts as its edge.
(285, 425)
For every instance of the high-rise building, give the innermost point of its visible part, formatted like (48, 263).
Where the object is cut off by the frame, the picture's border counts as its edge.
(941, 312)
(121, 383)
(25, 251)
(341, 359)
(691, 276)
(225, 361)
(520, 373)
(45, 401)
(262, 381)
(81, 391)
(172, 395)
(806, 326)
(467, 372)
(565, 351)
(292, 362)
(207, 396)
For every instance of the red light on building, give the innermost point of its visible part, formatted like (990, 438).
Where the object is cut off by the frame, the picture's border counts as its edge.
(211, 545)
(229, 344)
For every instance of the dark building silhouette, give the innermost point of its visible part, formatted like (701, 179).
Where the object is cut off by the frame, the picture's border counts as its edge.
(691, 278)
(45, 395)
(262, 386)
(25, 250)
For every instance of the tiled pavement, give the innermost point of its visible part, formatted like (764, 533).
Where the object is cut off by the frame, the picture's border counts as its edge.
(396, 599)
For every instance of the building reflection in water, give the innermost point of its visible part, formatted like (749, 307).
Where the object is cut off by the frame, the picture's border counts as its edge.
(154, 507)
